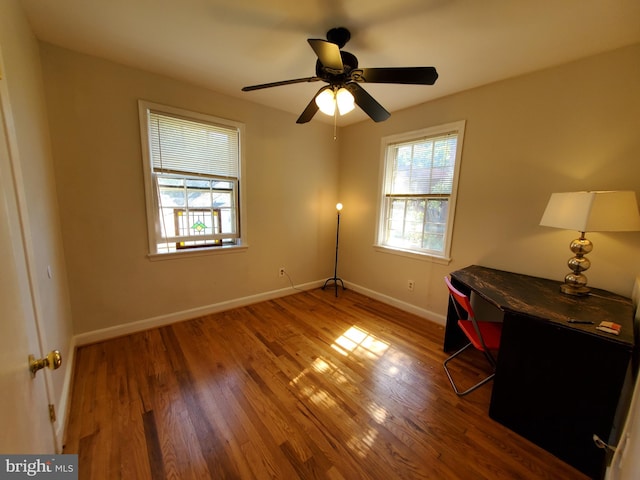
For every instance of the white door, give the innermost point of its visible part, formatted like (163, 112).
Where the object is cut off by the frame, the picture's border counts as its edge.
(24, 412)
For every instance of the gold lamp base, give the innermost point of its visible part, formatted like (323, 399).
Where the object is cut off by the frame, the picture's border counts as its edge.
(575, 283)
(574, 289)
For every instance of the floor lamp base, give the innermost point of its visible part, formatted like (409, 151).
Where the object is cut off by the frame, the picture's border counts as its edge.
(335, 281)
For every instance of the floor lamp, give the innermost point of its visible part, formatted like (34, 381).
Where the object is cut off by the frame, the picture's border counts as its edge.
(335, 278)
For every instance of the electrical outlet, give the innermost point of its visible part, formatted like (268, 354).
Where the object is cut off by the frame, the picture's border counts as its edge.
(410, 285)
(281, 272)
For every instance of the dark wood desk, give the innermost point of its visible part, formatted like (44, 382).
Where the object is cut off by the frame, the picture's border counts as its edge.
(556, 383)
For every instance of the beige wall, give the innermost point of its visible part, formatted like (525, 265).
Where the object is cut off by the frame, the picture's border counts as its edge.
(562, 129)
(37, 193)
(570, 128)
(291, 178)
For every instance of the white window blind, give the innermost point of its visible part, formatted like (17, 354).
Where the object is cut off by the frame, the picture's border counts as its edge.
(179, 145)
(424, 166)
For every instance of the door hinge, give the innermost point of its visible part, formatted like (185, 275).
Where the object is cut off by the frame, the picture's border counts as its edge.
(52, 413)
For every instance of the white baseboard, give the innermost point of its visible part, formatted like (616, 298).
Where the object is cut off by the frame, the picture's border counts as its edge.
(162, 320)
(407, 307)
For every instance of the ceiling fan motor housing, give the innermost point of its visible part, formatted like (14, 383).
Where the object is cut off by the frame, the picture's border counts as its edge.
(339, 35)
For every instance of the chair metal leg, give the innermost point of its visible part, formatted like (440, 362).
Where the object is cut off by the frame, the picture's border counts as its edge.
(477, 385)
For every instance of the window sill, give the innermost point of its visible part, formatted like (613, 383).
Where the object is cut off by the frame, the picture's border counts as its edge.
(425, 257)
(197, 252)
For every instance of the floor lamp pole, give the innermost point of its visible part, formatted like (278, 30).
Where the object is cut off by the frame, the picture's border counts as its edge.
(335, 279)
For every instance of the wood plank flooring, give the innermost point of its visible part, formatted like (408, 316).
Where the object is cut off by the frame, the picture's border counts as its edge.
(306, 386)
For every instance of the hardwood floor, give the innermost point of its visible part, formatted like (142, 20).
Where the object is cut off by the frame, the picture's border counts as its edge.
(305, 386)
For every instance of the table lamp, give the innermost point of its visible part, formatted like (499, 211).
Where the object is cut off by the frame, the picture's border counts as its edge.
(597, 211)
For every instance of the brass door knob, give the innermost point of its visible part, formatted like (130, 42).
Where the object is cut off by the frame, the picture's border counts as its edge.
(53, 361)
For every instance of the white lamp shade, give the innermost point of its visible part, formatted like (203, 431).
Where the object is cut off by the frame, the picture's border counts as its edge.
(326, 102)
(345, 101)
(599, 211)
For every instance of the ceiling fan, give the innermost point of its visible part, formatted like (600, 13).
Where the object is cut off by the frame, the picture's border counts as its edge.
(340, 70)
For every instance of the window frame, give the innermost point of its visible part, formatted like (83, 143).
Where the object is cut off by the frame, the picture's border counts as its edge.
(389, 142)
(151, 192)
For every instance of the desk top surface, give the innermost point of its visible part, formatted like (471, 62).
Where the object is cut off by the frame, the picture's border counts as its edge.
(541, 298)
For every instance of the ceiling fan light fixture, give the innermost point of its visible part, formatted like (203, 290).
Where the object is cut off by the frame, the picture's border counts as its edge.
(345, 101)
(328, 99)
(326, 102)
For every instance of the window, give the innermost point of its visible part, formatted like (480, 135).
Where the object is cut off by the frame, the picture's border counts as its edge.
(420, 176)
(192, 179)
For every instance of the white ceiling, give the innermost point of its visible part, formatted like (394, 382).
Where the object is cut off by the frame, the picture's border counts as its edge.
(227, 44)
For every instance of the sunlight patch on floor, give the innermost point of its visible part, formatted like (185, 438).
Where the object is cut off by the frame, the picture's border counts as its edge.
(377, 412)
(318, 396)
(397, 362)
(361, 445)
(360, 343)
(325, 367)
(309, 388)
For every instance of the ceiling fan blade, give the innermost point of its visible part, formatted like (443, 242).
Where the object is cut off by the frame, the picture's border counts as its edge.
(328, 53)
(277, 84)
(406, 75)
(311, 109)
(367, 103)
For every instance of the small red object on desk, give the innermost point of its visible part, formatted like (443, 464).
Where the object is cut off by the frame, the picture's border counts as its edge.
(610, 327)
